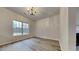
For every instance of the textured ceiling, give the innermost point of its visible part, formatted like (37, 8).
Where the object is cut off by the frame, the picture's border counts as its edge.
(44, 12)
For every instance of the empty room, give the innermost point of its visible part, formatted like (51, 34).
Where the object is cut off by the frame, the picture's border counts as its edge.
(37, 29)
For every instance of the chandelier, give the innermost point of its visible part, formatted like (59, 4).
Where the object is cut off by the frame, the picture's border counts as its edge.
(32, 11)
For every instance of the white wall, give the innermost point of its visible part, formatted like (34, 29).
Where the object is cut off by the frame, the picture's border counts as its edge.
(48, 28)
(63, 28)
(72, 28)
(77, 16)
(6, 18)
(67, 29)
(77, 21)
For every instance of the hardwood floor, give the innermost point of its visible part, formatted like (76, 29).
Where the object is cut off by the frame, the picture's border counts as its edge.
(32, 44)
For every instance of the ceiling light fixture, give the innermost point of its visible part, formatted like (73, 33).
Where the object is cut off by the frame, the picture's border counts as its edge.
(32, 11)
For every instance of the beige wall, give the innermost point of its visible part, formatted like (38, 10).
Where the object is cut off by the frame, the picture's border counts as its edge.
(6, 18)
(48, 28)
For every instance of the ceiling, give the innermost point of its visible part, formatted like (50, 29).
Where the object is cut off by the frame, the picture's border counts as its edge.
(44, 12)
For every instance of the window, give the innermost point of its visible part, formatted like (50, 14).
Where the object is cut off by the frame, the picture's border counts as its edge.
(20, 28)
(25, 28)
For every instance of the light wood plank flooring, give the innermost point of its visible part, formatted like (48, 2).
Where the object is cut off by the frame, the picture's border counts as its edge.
(32, 44)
